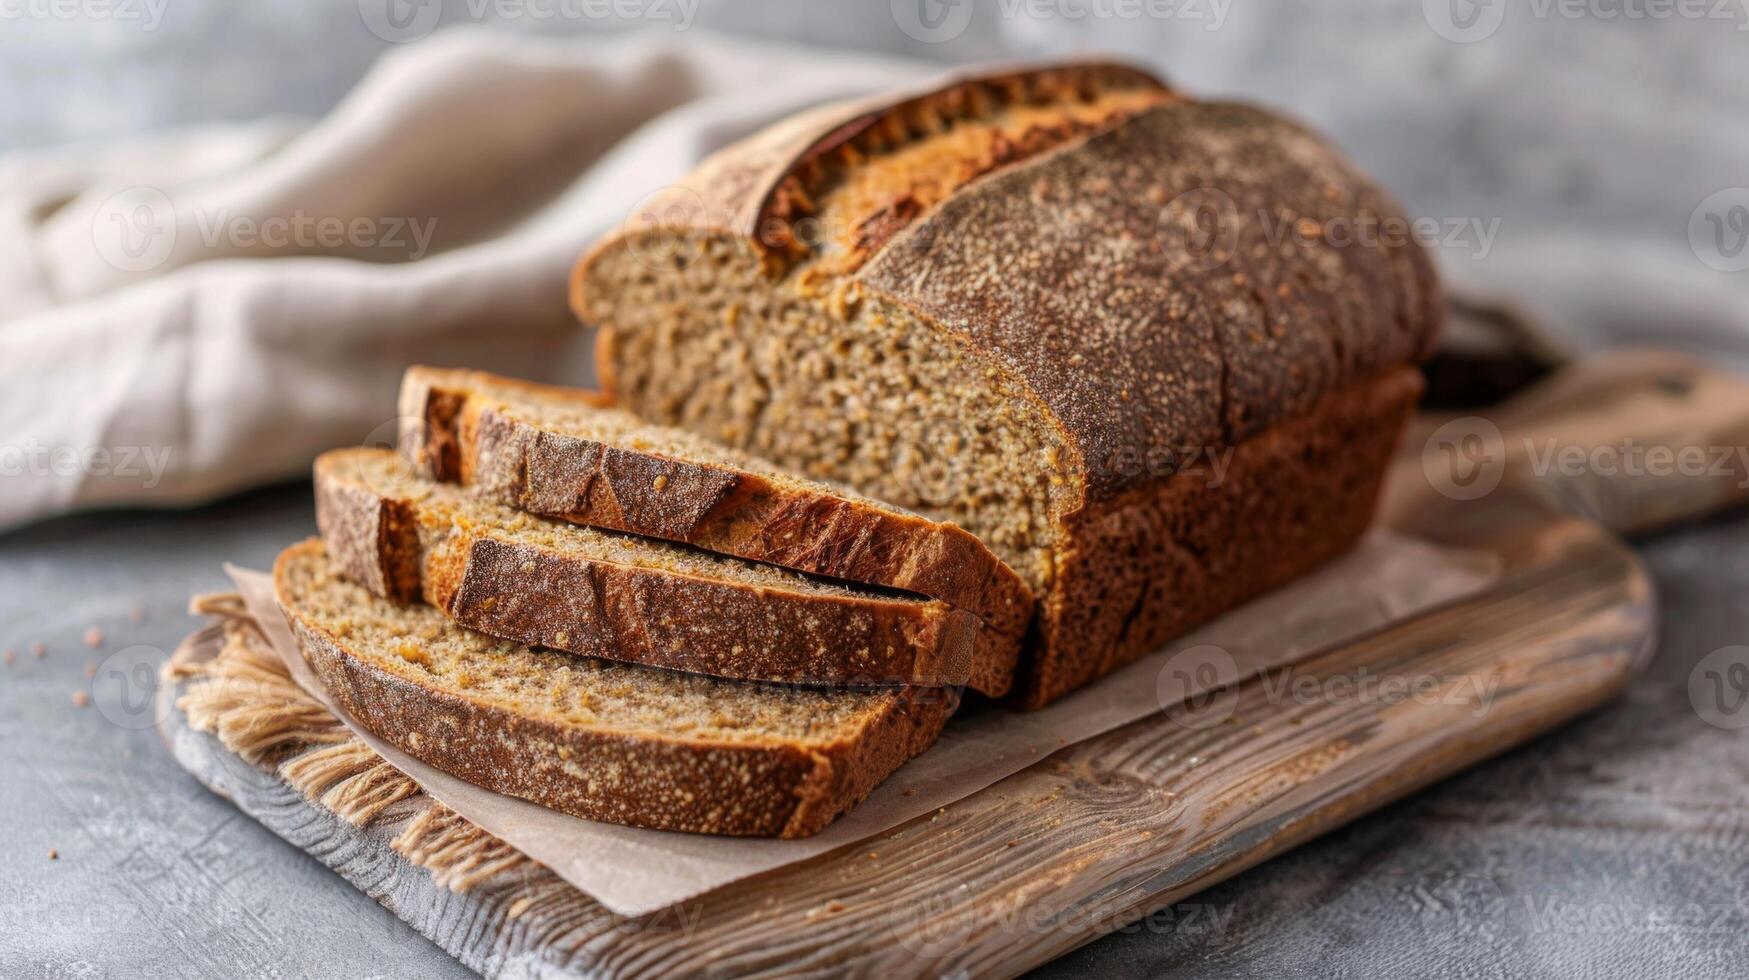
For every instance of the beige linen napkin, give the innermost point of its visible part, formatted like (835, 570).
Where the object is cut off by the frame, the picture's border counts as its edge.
(188, 314)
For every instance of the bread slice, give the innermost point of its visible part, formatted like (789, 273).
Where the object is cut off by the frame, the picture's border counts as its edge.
(595, 738)
(521, 577)
(563, 453)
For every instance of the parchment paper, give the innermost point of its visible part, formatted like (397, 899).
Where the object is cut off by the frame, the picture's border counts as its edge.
(634, 872)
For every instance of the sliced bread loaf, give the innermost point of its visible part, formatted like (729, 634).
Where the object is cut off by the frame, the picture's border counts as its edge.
(563, 453)
(595, 738)
(1141, 345)
(514, 575)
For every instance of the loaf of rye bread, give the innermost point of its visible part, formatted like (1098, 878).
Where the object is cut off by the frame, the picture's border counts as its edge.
(1155, 352)
(519, 577)
(564, 453)
(596, 738)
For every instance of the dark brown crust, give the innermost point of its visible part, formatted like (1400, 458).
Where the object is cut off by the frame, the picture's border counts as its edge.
(724, 629)
(719, 509)
(1137, 350)
(631, 778)
(600, 608)
(1139, 571)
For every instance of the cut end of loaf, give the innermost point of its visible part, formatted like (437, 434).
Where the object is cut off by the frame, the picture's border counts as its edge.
(866, 395)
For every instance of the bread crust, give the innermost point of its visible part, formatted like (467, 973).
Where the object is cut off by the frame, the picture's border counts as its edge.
(637, 778)
(1136, 354)
(718, 508)
(492, 582)
(1137, 571)
(749, 190)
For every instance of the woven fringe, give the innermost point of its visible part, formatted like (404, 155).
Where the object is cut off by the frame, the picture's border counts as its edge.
(458, 853)
(350, 780)
(244, 696)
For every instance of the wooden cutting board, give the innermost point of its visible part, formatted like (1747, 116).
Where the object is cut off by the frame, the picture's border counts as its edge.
(1106, 831)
